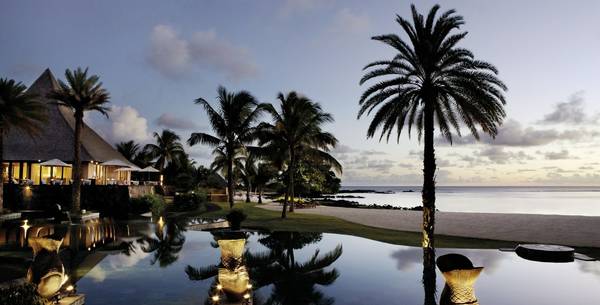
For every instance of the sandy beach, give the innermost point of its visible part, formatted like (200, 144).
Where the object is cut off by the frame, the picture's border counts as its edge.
(579, 231)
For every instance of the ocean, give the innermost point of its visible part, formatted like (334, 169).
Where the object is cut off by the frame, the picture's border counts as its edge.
(555, 200)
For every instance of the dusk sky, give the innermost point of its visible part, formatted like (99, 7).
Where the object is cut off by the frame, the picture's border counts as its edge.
(156, 57)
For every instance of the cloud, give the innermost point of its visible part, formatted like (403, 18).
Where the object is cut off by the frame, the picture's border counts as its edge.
(570, 112)
(513, 134)
(174, 56)
(125, 123)
(171, 121)
(348, 22)
(559, 155)
(293, 7)
(499, 155)
(169, 54)
(344, 149)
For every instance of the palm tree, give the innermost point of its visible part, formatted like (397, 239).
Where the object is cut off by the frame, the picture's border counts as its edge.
(18, 109)
(295, 133)
(81, 93)
(247, 173)
(128, 149)
(265, 173)
(431, 79)
(233, 125)
(167, 149)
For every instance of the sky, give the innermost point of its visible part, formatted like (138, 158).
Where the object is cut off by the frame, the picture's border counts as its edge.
(156, 57)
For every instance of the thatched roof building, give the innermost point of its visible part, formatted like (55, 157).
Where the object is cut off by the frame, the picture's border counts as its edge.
(23, 153)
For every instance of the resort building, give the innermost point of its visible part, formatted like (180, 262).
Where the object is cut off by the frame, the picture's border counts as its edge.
(47, 158)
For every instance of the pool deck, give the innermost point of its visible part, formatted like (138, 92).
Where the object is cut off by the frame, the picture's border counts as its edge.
(577, 231)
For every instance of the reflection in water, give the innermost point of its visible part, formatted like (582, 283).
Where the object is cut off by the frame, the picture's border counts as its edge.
(166, 243)
(460, 276)
(232, 283)
(429, 276)
(47, 271)
(292, 282)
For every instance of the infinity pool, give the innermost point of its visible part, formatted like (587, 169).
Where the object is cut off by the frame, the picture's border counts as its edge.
(169, 265)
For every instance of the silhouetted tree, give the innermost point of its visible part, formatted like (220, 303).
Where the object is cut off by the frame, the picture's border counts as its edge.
(431, 80)
(80, 93)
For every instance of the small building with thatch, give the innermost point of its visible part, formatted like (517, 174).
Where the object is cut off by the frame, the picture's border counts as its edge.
(24, 155)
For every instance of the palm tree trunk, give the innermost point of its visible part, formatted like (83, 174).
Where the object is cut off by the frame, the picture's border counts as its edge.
(285, 202)
(230, 189)
(76, 195)
(292, 172)
(260, 194)
(248, 189)
(1, 169)
(429, 167)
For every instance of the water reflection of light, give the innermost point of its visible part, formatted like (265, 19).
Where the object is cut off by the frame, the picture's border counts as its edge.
(25, 227)
(161, 223)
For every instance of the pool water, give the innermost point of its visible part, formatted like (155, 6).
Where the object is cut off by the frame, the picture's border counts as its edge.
(314, 268)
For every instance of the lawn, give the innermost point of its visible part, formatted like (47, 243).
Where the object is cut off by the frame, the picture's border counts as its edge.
(262, 219)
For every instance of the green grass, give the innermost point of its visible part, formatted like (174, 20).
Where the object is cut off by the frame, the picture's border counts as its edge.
(262, 219)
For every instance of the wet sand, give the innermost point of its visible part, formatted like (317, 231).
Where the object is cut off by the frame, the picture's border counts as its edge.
(579, 231)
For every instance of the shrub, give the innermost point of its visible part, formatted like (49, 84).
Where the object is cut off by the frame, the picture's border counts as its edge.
(24, 294)
(153, 203)
(235, 218)
(189, 201)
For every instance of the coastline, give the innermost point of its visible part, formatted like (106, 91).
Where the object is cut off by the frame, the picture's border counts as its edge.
(576, 231)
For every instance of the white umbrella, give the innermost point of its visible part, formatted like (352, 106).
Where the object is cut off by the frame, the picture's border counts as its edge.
(149, 169)
(116, 162)
(55, 162)
(127, 169)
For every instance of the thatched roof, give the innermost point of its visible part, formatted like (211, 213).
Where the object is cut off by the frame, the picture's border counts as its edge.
(56, 138)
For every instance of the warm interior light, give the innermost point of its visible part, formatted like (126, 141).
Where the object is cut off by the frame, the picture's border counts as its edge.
(215, 298)
(70, 288)
(219, 286)
(246, 296)
(249, 286)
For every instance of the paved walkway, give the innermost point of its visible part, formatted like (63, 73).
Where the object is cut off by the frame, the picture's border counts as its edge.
(580, 231)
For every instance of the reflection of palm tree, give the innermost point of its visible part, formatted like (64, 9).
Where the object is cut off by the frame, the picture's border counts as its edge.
(167, 244)
(294, 282)
(429, 276)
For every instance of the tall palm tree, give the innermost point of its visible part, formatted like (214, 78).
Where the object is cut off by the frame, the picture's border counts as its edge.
(167, 149)
(431, 80)
(247, 173)
(233, 125)
(296, 132)
(81, 93)
(128, 149)
(18, 109)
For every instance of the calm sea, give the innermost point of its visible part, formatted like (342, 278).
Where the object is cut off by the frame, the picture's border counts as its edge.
(556, 200)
